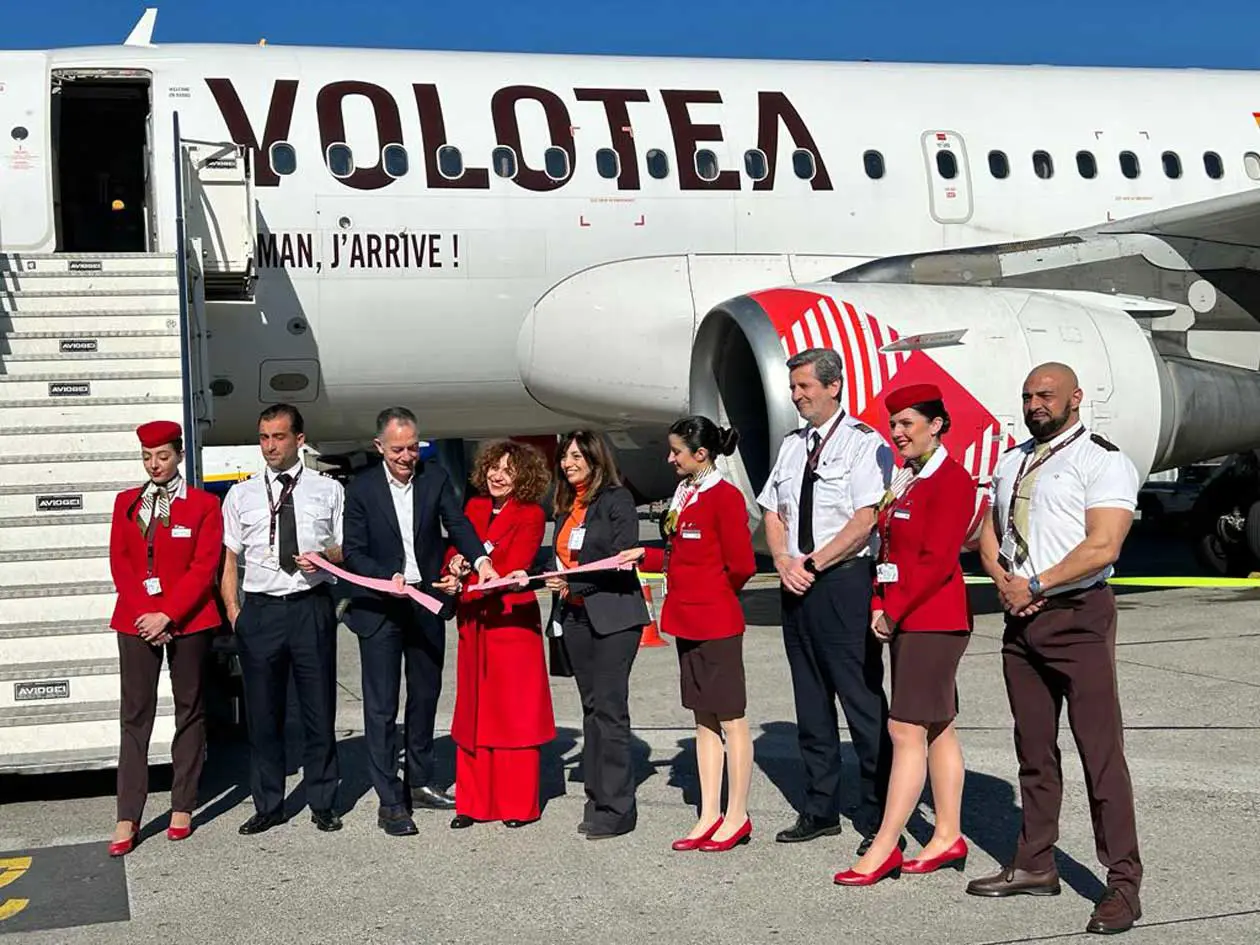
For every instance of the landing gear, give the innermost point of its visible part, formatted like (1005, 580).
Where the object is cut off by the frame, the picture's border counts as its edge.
(1227, 518)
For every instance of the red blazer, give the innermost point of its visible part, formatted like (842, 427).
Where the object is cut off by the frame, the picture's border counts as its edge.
(710, 559)
(502, 693)
(186, 566)
(923, 534)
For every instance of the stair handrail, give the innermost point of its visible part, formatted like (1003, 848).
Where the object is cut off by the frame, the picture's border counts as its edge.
(192, 432)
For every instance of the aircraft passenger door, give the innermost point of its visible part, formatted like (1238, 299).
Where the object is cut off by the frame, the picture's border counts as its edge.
(25, 152)
(219, 209)
(949, 176)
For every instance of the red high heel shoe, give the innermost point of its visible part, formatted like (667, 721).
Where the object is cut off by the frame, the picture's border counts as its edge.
(955, 856)
(123, 847)
(691, 843)
(740, 836)
(890, 867)
(178, 833)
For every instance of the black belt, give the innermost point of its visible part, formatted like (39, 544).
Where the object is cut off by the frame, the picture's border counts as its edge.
(842, 565)
(295, 595)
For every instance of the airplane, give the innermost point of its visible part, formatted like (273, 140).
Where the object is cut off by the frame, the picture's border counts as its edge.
(521, 244)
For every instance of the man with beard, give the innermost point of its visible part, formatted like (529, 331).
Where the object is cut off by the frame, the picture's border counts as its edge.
(1062, 505)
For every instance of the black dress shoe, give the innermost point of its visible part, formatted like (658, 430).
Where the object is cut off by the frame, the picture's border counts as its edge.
(396, 823)
(461, 822)
(516, 824)
(869, 838)
(326, 819)
(808, 827)
(583, 827)
(432, 798)
(606, 833)
(260, 823)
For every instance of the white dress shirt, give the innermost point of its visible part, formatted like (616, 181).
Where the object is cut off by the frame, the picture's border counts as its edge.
(318, 503)
(854, 470)
(1090, 473)
(403, 494)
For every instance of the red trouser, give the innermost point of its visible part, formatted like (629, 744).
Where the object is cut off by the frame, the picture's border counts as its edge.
(1067, 652)
(497, 783)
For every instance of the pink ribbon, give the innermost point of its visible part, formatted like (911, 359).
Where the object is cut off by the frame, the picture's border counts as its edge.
(431, 604)
(613, 563)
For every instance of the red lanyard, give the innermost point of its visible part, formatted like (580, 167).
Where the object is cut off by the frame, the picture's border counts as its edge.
(275, 506)
(885, 532)
(811, 460)
(1025, 469)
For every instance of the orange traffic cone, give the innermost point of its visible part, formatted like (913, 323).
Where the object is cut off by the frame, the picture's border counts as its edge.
(651, 634)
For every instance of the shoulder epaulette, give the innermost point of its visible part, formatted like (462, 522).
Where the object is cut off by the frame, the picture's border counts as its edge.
(1104, 443)
(799, 431)
(862, 427)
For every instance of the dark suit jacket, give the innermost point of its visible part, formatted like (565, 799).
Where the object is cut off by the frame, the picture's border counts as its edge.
(373, 545)
(614, 599)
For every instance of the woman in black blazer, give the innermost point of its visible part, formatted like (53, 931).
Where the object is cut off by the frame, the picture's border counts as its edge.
(599, 619)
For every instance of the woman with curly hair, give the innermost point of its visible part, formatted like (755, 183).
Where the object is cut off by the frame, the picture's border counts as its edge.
(502, 697)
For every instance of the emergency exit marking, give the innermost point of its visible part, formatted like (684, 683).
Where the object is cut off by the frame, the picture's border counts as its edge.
(76, 345)
(70, 389)
(58, 503)
(43, 689)
(86, 265)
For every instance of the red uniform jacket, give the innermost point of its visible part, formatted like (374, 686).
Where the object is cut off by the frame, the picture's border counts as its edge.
(922, 534)
(710, 559)
(502, 693)
(185, 559)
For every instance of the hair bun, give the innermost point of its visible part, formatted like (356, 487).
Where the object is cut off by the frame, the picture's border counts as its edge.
(728, 437)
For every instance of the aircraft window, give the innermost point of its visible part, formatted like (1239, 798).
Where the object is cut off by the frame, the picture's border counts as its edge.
(1086, 165)
(1251, 163)
(804, 165)
(707, 165)
(340, 160)
(283, 158)
(607, 163)
(1213, 165)
(755, 164)
(946, 164)
(999, 166)
(504, 161)
(394, 157)
(556, 163)
(658, 164)
(1172, 165)
(1043, 164)
(1129, 165)
(450, 162)
(873, 161)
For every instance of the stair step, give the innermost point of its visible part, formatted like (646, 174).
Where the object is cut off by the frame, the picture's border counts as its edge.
(19, 567)
(53, 628)
(53, 554)
(60, 669)
(68, 530)
(29, 365)
(88, 745)
(61, 412)
(68, 456)
(50, 714)
(86, 498)
(73, 469)
(57, 604)
(80, 321)
(35, 304)
(25, 391)
(53, 263)
(33, 650)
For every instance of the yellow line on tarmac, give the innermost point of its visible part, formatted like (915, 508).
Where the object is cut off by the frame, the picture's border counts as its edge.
(1166, 582)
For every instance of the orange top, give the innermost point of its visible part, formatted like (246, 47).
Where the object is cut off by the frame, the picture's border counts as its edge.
(577, 516)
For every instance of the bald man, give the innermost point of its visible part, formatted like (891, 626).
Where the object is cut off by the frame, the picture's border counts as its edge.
(1063, 502)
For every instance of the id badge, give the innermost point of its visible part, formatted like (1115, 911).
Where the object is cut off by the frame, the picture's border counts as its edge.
(692, 534)
(886, 573)
(181, 531)
(270, 561)
(576, 539)
(489, 546)
(153, 586)
(901, 513)
(1006, 552)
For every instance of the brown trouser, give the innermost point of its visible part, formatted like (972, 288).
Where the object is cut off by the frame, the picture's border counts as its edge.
(1068, 651)
(141, 665)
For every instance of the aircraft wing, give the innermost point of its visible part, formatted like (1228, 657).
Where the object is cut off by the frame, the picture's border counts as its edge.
(1233, 220)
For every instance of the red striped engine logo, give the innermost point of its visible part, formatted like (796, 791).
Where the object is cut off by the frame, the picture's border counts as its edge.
(809, 320)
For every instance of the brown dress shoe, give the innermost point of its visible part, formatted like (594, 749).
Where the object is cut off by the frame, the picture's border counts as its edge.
(1014, 882)
(1116, 912)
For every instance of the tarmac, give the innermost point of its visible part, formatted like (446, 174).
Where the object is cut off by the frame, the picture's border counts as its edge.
(1189, 671)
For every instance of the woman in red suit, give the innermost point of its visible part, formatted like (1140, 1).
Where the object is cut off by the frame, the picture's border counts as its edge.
(502, 697)
(707, 559)
(921, 607)
(164, 550)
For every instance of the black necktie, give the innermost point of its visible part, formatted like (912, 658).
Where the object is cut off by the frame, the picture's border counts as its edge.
(805, 540)
(288, 547)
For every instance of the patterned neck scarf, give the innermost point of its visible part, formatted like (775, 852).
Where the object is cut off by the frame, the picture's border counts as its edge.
(904, 478)
(159, 496)
(684, 495)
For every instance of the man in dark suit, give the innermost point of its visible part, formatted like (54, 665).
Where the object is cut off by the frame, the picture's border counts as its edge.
(393, 525)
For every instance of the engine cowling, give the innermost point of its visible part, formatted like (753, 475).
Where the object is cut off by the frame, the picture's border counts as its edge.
(977, 345)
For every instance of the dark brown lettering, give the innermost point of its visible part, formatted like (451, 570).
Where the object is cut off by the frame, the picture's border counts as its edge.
(433, 130)
(391, 251)
(507, 130)
(688, 135)
(332, 128)
(374, 251)
(620, 130)
(772, 108)
(276, 127)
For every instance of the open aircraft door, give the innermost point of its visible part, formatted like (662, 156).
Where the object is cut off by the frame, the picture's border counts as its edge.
(25, 153)
(219, 211)
(949, 176)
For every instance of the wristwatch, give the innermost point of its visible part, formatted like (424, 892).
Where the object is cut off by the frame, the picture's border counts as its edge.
(1034, 586)
(810, 566)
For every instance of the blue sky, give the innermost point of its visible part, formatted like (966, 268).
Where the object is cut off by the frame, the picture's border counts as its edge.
(1225, 34)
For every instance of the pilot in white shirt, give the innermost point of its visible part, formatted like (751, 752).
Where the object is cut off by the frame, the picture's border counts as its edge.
(820, 503)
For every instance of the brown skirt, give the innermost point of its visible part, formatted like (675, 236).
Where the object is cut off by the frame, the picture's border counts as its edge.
(924, 666)
(711, 674)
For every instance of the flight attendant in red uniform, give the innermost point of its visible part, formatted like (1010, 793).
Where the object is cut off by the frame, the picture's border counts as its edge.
(921, 607)
(164, 550)
(503, 708)
(708, 558)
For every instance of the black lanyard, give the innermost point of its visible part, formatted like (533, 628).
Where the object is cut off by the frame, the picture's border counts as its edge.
(1025, 469)
(275, 506)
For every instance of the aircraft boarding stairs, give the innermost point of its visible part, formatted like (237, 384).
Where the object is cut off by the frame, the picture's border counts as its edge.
(90, 347)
